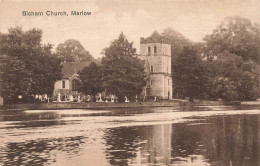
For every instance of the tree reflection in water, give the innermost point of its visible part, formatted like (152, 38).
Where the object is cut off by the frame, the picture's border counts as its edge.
(223, 140)
(39, 152)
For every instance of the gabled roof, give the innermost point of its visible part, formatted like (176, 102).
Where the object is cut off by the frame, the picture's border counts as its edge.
(71, 68)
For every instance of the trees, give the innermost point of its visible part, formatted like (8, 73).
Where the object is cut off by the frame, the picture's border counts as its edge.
(233, 79)
(15, 78)
(236, 35)
(27, 66)
(187, 73)
(177, 41)
(233, 57)
(71, 50)
(123, 72)
(19, 43)
(91, 79)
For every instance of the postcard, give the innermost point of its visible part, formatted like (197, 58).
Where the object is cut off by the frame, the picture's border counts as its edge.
(129, 82)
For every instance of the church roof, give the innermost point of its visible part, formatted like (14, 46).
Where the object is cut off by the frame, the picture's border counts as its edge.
(71, 68)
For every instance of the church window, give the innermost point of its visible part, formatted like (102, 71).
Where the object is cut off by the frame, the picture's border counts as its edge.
(155, 49)
(75, 84)
(151, 69)
(63, 84)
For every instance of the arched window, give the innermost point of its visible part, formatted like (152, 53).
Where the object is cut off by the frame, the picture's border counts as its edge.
(151, 68)
(75, 84)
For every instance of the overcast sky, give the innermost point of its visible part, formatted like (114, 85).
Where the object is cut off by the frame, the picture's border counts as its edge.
(192, 18)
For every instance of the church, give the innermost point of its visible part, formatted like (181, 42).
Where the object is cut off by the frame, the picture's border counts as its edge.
(69, 83)
(155, 51)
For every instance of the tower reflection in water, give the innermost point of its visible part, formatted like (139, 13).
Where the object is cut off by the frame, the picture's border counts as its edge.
(231, 140)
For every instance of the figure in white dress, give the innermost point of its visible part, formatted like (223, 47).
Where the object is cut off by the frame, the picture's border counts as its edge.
(112, 99)
(58, 99)
(100, 99)
(71, 98)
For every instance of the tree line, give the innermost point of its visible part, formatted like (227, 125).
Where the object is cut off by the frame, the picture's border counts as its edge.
(121, 72)
(224, 66)
(29, 68)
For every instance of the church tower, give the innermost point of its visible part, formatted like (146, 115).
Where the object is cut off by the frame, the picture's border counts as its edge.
(156, 52)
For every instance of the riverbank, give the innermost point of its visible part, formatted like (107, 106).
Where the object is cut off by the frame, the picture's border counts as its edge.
(251, 102)
(92, 105)
(95, 105)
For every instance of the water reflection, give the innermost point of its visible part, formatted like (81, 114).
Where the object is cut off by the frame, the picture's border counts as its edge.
(39, 152)
(231, 140)
(154, 136)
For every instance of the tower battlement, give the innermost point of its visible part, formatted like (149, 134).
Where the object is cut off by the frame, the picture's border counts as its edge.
(154, 40)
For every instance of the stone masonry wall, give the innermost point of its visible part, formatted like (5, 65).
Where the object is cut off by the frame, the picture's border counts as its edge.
(159, 67)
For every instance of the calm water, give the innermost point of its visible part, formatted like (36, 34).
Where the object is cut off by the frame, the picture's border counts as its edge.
(187, 136)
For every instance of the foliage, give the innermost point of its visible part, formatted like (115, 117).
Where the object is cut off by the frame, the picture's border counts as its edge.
(27, 66)
(72, 50)
(233, 79)
(91, 79)
(15, 78)
(236, 35)
(19, 43)
(233, 58)
(187, 73)
(177, 41)
(123, 72)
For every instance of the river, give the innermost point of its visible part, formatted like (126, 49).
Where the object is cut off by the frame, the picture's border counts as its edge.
(184, 136)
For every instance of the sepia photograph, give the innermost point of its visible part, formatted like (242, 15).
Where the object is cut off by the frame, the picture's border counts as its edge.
(130, 83)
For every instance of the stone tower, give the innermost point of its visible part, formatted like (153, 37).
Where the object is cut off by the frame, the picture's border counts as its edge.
(156, 52)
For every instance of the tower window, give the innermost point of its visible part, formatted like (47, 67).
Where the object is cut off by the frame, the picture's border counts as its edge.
(63, 84)
(155, 50)
(168, 81)
(149, 50)
(151, 69)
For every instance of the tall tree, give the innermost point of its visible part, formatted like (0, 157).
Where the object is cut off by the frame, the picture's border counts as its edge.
(123, 72)
(236, 35)
(233, 55)
(187, 73)
(15, 78)
(25, 61)
(91, 79)
(72, 50)
(233, 79)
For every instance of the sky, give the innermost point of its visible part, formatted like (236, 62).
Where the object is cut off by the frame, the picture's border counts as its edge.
(135, 18)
